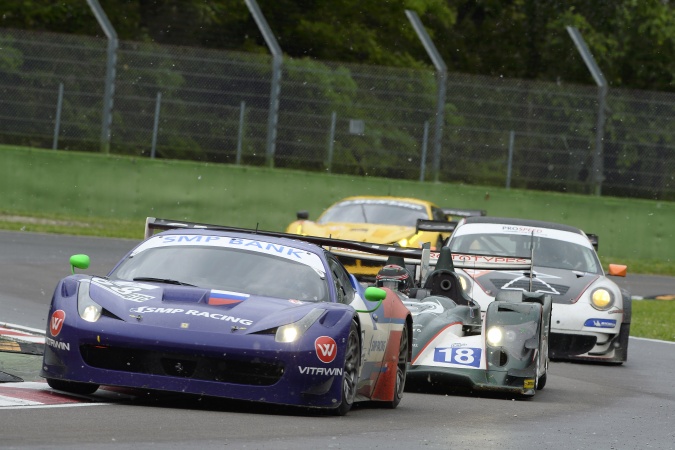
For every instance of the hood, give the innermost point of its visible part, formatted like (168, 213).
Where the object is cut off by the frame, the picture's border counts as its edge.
(564, 286)
(361, 232)
(156, 304)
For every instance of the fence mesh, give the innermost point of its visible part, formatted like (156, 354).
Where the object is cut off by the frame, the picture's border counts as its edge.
(210, 105)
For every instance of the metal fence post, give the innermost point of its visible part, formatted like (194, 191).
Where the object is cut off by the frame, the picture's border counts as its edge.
(598, 169)
(441, 80)
(277, 60)
(509, 164)
(331, 141)
(155, 127)
(240, 136)
(423, 158)
(57, 120)
(106, 120)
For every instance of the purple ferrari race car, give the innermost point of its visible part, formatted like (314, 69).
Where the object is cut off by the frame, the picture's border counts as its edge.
(233, 313)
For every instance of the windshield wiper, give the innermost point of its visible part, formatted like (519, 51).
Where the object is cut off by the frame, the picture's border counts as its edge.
(163, 280)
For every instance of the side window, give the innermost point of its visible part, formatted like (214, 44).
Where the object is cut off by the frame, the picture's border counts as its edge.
(344, 288)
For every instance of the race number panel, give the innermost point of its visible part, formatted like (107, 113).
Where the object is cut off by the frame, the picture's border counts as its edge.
(464, 356)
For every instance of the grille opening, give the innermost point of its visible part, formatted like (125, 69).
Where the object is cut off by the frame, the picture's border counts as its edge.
(255, 372)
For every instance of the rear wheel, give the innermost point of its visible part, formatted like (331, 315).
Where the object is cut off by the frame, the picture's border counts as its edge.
(350, 372)
(401, 369)
(73, 387)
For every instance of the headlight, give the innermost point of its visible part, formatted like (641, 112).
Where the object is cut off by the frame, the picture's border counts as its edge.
(602, 299)
(293, 331)
(89, 310)
(403, 242)
(463, 283)
(494, 336)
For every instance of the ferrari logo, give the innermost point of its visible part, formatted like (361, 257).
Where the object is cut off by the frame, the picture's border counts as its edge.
(528, 383)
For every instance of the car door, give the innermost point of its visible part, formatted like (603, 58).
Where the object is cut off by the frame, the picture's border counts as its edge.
(374, 335)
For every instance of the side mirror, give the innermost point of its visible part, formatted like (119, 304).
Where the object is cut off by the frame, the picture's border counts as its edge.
(79, 261)
(375, 294)
(617, 270)
(302, 215)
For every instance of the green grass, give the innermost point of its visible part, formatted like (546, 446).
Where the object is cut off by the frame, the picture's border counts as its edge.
(77, 226)
(653, 319)
(641, 266)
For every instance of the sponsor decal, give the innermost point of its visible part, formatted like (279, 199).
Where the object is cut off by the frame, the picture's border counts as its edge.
(378, 346)
(539, 284)
(296, 302)
(528, 383)
(57, 344)
(127, 290)
(320, 370)
(56, 322)
(251, 245)
(326, 349)
(521, 229)
(600, 323)
(489, 259)
(462, 356)
(416, 307)
(190, 312)
(217, 297)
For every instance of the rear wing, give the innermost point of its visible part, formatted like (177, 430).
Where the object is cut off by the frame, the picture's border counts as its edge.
(421, 257)
(153, 224)
(437, 226)
(594, 240)
(452, 212)
(486, 262)
(447, 226)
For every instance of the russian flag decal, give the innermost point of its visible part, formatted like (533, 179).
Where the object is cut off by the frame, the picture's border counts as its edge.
(226, 297)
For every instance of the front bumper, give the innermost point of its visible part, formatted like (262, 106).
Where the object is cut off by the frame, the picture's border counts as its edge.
(520, 382)
(579, 331)
(237, 366)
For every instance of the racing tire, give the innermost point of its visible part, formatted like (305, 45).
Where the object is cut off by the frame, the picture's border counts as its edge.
(350, 371)
(541, 382)
(401, 369)
(621, 352)
(73, 387)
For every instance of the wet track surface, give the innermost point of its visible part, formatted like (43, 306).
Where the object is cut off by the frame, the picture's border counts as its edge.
(583, 405)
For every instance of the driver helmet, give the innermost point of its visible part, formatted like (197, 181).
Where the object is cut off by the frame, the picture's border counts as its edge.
(394, 277)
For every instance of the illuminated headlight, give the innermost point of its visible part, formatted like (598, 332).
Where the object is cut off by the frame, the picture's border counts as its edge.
(293, 331)
(463, 283)
(602, 299)
(89, 310)
(494, 336)
(403, 242)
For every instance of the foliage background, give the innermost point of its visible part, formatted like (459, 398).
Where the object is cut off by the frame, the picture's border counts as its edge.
(632, 40)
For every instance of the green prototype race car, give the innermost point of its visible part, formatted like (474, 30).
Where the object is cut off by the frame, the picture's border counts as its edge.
(503, 349)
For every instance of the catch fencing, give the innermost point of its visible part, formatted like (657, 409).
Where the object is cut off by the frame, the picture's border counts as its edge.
(214, 106)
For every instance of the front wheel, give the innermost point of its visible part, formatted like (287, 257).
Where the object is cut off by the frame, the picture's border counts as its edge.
(350, 372)
(73, 387)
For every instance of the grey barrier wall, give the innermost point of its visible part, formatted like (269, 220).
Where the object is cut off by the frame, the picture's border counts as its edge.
(208, 105)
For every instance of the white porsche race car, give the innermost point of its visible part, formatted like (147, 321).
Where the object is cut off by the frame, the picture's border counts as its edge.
(591, 315)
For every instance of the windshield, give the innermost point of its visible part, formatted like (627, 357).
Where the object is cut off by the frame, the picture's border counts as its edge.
(228, 269)
(382, 212)
(547, 252)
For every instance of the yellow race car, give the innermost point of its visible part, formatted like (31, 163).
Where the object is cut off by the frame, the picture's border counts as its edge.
(393, 221)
